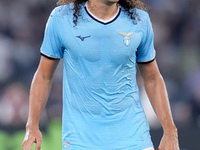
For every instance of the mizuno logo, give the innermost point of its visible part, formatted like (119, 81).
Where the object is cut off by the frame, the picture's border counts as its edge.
(83, 38)
(127, 39)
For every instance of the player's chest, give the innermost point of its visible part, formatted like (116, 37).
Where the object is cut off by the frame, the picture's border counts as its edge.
(93, 43)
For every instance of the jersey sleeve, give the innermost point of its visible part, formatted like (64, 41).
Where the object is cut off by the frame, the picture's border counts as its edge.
(146, 51)
(51, 45)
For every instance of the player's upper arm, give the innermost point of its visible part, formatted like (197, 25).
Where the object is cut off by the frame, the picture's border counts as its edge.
(52, 45)
(47, 67)
(146, 51)
(149, 71)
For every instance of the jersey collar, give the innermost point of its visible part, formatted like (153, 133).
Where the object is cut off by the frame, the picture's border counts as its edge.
(100, 20)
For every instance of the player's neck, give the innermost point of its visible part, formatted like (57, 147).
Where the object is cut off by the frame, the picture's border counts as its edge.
(102, 9)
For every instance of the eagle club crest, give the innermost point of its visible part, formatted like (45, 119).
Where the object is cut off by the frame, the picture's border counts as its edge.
(127, 39)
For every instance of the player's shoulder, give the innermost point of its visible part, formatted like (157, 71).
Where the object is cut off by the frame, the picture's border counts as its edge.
(62, 10)
(143, 15)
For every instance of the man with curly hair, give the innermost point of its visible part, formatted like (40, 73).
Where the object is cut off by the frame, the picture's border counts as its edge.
(102, 42)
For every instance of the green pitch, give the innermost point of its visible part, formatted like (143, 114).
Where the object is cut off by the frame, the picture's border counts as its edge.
(51, 139)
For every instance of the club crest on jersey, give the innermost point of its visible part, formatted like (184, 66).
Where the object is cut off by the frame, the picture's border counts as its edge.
(127, 38)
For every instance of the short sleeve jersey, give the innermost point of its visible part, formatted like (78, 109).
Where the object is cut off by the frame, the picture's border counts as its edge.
(102, 109)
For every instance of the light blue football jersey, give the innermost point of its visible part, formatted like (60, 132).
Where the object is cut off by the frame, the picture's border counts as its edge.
(102, 109)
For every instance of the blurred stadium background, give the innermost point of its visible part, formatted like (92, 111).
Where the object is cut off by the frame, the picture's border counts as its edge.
(177, 40)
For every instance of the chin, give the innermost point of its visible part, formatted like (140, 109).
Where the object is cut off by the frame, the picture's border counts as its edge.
(114, 1)
(111, 1)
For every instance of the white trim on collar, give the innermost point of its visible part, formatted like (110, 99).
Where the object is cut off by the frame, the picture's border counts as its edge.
(104, 21)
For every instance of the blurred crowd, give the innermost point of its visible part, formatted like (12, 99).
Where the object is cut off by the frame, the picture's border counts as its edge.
(177, 42)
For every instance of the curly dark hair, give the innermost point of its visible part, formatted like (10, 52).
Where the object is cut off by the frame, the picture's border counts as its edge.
(128, 5)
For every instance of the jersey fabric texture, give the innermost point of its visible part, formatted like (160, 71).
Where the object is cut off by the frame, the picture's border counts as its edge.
(102, 109)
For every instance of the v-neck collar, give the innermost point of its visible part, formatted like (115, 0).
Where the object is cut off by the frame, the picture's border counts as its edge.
(100, 20)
